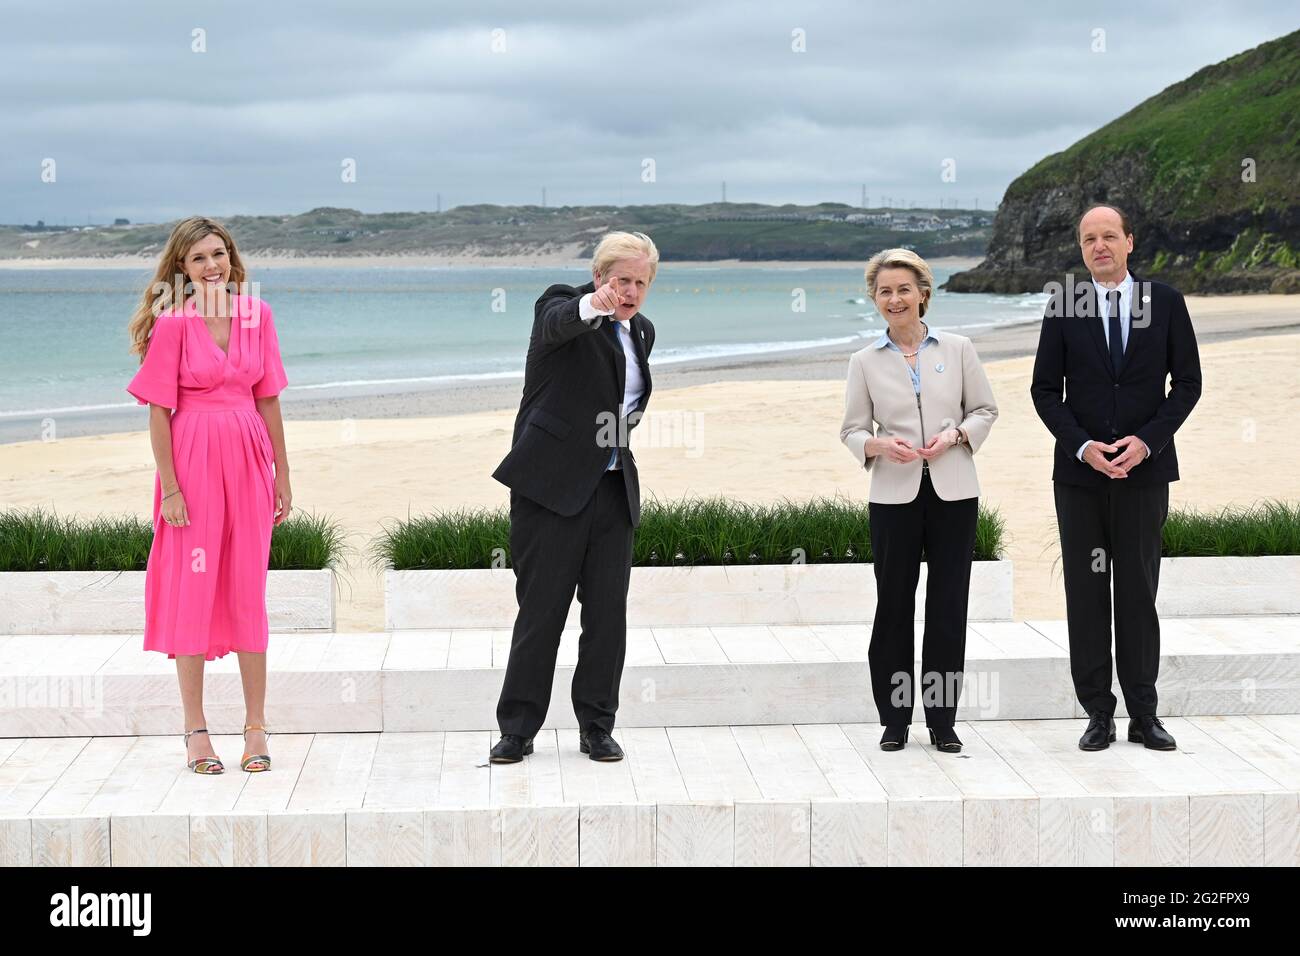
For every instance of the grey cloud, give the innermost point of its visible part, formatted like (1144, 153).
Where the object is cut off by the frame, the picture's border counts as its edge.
(142, 127)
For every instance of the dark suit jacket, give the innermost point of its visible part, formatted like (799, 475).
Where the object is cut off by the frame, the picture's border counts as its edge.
(1097, 404)
(573, 386)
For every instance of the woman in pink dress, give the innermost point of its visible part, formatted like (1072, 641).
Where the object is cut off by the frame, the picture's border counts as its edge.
(212, 355)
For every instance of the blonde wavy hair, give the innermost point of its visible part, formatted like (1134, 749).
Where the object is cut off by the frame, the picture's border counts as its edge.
(902, 259)
(614, 246)
(168, 286)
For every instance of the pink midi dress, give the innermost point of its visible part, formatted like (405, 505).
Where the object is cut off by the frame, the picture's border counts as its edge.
(205, 587)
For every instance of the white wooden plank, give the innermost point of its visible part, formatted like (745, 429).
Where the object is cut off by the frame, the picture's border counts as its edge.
(87, 772)
(587, 781)
(335, 773)
(1226, 829)
(654, 767)
(406, 772)
(385, 837)
(1076, 831)
(802, 643)
(688, 645)
(840, 763)
(978, 770)
(781, 764)
(465, 779)
(194, 793)
(773, 833)
(1038, 768)
(848, 642)
(617, 834)
(141, 780)
(462, 836)
(418, 650)
(1102, 772)
(907, 774)
(535, 781)
(711, 764)
(539, 835)
(271, 791)
(31, 769)
(471, 648)
(849, 832)
(750, 644)
(1152, 830)
(1000, 831)
(695, 834)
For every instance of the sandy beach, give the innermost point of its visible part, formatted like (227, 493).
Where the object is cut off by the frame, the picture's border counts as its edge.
(761, 429)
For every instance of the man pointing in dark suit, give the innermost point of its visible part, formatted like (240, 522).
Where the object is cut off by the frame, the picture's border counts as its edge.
(1106, 347)
(575, 496)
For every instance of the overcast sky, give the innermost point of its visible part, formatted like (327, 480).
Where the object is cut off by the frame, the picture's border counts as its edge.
(575, 97)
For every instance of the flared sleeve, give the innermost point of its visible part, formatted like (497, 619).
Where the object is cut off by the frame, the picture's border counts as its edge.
(273, 379)
(157, 380)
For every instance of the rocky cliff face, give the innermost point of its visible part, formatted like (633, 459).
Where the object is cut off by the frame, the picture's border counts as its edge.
(1208, 171)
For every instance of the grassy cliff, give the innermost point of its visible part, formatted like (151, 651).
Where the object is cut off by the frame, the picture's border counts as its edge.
(1177, 163)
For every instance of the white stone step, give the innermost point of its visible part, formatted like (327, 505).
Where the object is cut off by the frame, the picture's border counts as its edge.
(409, 681)
(1020, 793)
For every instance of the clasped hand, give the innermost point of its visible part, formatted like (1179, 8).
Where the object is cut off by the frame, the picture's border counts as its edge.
(900, 450)
(1134, 453)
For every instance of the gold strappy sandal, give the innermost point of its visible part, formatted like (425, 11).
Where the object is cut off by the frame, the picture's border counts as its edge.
(203, 764)
(256, 763)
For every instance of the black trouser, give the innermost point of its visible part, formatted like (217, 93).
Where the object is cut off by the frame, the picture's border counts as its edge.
(551, 554)
(1112, 524)
(946, 530)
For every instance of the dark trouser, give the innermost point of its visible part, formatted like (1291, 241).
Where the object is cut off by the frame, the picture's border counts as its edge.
(1112, 524)
(551, 554)
(946, 530)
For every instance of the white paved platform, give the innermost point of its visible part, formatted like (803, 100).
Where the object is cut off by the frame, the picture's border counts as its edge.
(1021, 793)
(449, 680)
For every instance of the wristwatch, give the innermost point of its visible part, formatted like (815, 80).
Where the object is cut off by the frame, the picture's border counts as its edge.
(960, 437)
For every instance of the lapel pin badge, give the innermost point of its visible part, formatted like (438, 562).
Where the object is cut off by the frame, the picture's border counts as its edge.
(939, 367)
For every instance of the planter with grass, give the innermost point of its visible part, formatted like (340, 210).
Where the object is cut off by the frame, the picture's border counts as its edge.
(1239, 561)
(695, 562)
(62, 575)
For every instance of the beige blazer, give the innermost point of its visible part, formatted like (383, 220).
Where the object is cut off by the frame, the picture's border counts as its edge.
(955, 393)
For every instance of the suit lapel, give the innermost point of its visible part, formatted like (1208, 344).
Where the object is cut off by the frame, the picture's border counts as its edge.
(1093, 319)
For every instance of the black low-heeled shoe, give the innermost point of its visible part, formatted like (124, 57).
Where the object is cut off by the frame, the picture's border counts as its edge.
(599, 745)
(511, 748)
(945, 739)
(894, 738)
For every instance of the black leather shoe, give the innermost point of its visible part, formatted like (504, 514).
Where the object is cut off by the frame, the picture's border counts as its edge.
(511, 748)
(599, 745)
(894, 738)
(945, 739)
(1100, 733)
(1148, 731)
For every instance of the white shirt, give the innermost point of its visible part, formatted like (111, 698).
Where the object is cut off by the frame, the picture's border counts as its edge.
(633, 380)
(1125, 290)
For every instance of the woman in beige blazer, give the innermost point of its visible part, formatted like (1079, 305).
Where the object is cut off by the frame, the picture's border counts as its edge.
(917, 407)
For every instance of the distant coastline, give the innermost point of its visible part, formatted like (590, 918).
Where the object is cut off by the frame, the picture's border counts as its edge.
(565, 260)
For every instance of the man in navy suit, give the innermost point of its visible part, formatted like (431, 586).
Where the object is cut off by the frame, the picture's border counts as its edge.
(575, 495)
(1106, 347)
